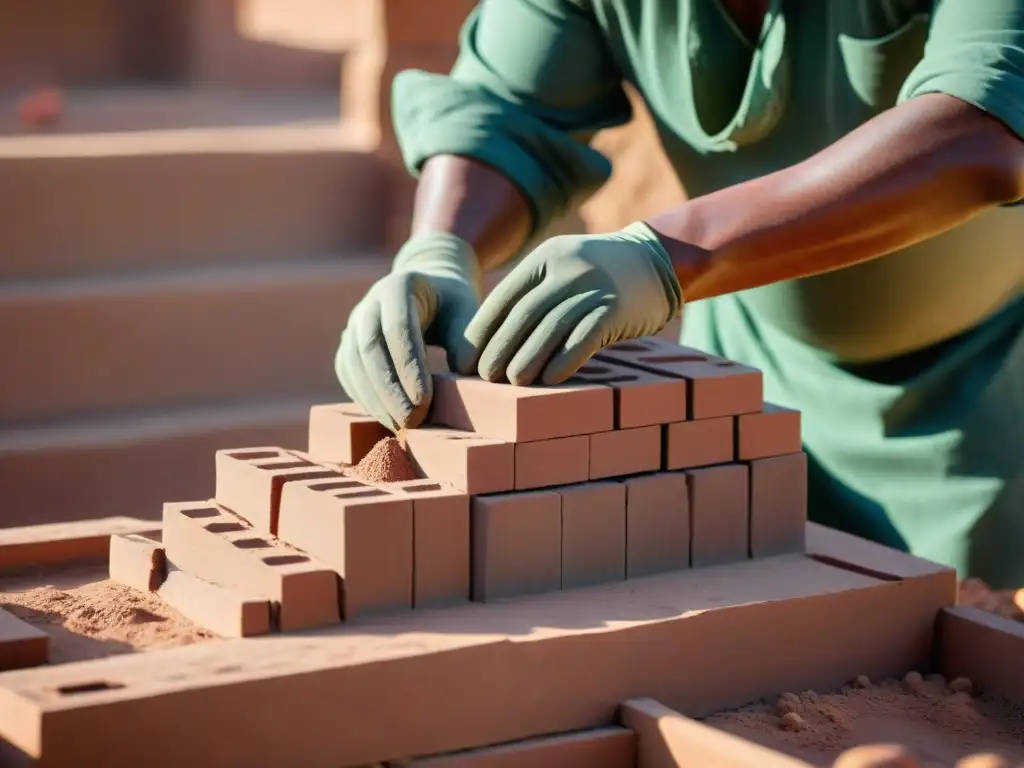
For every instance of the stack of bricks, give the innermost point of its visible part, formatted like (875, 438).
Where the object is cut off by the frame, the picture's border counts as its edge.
(653, 458)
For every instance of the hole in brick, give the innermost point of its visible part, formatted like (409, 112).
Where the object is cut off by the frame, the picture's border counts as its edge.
(337, 486)
(224, 527)
(360, 494)
(290, 465)
(423, 488)
(594, 370)
(622, 379)
(724, 363)
(253, 543)
(99, 685)
(253, 455)
(204, 512)
(631, 346)
(460, 437)
(674, 359)
(285, 559)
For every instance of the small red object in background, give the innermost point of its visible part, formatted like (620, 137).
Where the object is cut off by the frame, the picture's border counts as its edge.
(41, 107)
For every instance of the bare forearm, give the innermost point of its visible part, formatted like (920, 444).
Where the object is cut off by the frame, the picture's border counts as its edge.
(914, 171)
(469, 199)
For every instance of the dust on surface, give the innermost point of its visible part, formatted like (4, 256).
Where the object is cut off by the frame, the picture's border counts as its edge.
(387, 462)
(938, 722)
(87, 616)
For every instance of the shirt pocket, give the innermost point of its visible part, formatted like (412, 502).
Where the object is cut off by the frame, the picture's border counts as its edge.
(875, 69)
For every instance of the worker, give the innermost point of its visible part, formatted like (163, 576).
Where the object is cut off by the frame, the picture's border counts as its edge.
(851, 168)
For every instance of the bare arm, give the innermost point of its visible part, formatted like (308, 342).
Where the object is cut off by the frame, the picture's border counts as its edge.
(914, 171)
(466, 198)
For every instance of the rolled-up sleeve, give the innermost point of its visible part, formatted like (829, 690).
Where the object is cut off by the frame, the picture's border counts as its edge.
(533, 82)
(975, 52)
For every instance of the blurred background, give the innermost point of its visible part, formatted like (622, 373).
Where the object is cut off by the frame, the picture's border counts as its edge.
(193, 196)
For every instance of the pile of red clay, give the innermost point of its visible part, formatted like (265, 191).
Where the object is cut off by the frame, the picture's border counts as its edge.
(100, 618)
(387, 462)
(937, 723)
(1008, 603)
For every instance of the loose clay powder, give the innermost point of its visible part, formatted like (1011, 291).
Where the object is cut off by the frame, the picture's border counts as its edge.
(387, 462)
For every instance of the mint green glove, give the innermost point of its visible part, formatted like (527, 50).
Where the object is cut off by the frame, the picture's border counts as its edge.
(430, 295)
(566, 300)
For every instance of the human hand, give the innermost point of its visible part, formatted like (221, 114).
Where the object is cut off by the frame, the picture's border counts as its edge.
(429, 297)
(566, 300)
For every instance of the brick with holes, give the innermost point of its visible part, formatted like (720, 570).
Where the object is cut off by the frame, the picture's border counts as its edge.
(342, 433)
(364, 533)
(464, 460)
(249, 482)
(641, 398)
(717, 387)
(440, 542)
(137, 561)
(521, 414)
(210, 542)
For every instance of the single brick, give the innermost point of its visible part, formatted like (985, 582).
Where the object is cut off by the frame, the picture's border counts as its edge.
(342, 433)
(719, 514)
(440, 516)
(21, 644)
(214, 544)
(775, 431)
(625, 452)
(362, 532)
(137, 561)
(249, 482)
(593, 534)
(641, 398)
(657, 524)
(717, 387)
(464, 460)
(544, 463)
(517, 544)
(778, 504)
(521, 414)
(699, 443)
(224, 610)
(610, 747)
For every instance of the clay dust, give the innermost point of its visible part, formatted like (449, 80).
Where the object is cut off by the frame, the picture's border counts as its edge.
(100, 618)
(937, 723)
(387, 462)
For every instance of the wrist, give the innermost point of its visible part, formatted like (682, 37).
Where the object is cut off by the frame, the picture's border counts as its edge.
(642, 233)
(690, 261)
(440, 254)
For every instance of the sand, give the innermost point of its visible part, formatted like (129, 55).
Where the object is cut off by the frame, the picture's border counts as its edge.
(387, 462)
(937, 722)
(1008, 603)
(88, 616)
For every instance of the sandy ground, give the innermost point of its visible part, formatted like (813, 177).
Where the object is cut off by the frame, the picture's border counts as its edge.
(939, 722)
(88, 617)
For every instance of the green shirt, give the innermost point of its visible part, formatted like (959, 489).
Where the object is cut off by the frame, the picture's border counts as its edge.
(536, 78)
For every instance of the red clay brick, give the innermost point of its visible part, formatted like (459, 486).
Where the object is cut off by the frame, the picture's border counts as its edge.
(775, 431)
(778, 504)
(625, 452)
(600, 748)
(593, 534)
(214, 544)
(21, 644)
(984, 648)
(517, 544)
(342, 433)
(667, 739)
(717, 387)
(249, 482)
(223, 610)
(363, 533)
(641, 398)
(719, 514)
(657, 524)
(521, 414)
(440, 543)
(698, 443)
(544, 463)
(137, 561)
(80, 541)
(464, 460)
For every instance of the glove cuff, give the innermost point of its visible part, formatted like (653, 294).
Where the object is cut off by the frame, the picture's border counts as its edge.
(440, 254)
(641, 232)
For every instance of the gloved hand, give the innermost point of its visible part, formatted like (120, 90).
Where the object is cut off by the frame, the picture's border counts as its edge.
(566, 300)
(430, 295)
